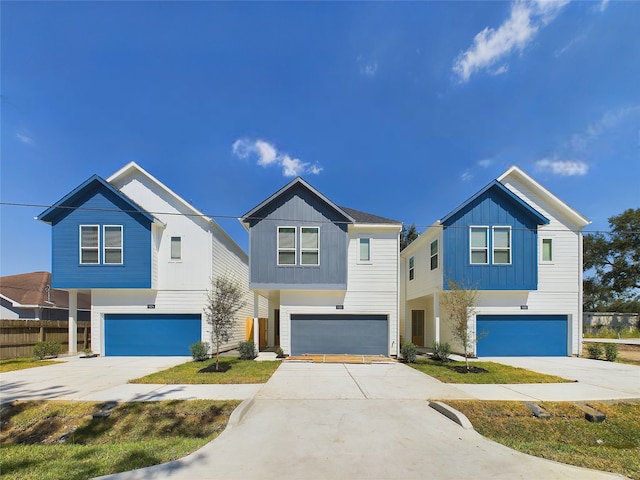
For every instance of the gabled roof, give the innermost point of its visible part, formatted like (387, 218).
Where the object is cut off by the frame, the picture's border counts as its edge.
(33, 290)
(517, 173)
(67, 202)
(298, 181)
(496, 185)
(363, 217)
(132, 167)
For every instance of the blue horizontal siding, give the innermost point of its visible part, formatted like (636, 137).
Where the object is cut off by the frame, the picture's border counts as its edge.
(100, 206)
(493, 208)
(522, 335)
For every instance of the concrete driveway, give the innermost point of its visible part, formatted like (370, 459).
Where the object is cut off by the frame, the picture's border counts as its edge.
(319, 421)
(105, 379)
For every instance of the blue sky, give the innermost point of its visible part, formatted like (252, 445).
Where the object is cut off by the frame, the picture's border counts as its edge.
(400, 109)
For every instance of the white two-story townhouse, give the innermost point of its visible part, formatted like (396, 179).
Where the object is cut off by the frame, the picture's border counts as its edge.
(330, 274)
(146, 257)
(520, 247)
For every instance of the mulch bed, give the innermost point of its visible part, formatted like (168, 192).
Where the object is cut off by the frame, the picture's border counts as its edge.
(222, 367)
(463, 369)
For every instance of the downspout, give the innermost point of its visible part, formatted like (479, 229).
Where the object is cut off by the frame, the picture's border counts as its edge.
(580, 291)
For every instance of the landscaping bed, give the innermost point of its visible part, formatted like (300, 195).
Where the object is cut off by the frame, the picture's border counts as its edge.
(235, 371)
(567, 437)
(52, 440)
(495, 373)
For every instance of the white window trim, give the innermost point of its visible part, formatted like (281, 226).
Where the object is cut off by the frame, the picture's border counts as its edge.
(412, 269)
(177, 259)
(471, 249)
(105, 248)
(364, 262)
(437, 255)
(310, 249)
(80, 247)
(493, 247)
(542, 260)
(294, 249)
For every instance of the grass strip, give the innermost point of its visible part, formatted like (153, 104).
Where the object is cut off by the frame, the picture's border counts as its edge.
(612, 446)
(240, 372)
(11, 364)
(53, 440)
(496, 373)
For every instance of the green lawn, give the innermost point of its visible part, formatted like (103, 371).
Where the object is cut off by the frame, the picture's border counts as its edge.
(12, 364)
(612, 446)
(241, 371)
(136, 435)
(496, 373)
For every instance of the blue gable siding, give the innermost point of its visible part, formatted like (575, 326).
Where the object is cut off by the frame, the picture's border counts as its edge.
(100, 206)
(492, 208)
(298, 207)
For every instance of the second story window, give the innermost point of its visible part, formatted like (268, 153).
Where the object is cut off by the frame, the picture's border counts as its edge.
(176, 248)
(89, 244)
(286, 245)
(501, 245)
(112, 244)
(309, 246)
(364, 250)
(479, 245)
(434, 254)
(412, 270)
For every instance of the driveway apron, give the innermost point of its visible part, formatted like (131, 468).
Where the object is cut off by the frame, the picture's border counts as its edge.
(320, 421)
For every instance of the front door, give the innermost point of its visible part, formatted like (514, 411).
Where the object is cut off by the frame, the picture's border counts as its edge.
(263, 324)
(417, 327)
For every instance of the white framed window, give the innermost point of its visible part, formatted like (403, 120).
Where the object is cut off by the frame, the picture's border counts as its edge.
(434, 254)
(176, 248)
(547, 250)
(501, 245)
(412, 270)
(112, 239)
(89, 244)
(309, 246)
(286, 245)
(479, 245)
(364, 250)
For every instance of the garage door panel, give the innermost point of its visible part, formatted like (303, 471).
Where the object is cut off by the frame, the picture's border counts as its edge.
(150, 335)
(338, 334)
(522, 335)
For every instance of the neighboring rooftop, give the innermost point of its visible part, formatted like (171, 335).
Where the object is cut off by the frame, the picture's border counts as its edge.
(34, 289)
(363, 217)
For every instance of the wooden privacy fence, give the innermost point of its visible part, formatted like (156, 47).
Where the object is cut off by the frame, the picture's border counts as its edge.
(17, 337)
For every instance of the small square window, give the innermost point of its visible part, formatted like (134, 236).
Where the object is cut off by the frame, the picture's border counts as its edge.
(364, 250)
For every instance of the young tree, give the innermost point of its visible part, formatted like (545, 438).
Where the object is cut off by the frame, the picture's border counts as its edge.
(460, 302)
(224, 300)
(615, 260)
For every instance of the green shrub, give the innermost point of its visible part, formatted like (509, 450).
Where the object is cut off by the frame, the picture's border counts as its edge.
(199, 351)
(611, 351)
(42, 350)
(279, 352)
(441, 351)
(247, 350)
(594, 350)
(409, 352)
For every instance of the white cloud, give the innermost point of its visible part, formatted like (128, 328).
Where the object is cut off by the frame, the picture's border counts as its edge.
(491, 45)
(565, 168)
(609, 121)
(267, 155)
(24, 138)
(466, 175)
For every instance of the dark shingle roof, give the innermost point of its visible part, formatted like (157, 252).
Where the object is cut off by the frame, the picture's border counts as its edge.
(30, 289)
(363, 217)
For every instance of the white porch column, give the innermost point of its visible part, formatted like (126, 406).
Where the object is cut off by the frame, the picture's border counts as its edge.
(256, 322)
(73, 321)
(436, 317)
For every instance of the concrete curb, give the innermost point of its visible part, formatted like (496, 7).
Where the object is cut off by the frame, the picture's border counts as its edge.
(452, 414)
(240, 412)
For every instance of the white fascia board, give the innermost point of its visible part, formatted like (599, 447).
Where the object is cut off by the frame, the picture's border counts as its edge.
(572, 214)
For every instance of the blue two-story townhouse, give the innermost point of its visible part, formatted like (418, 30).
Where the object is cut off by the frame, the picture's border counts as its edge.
(520, 247)
(147, 273)
(330, 274)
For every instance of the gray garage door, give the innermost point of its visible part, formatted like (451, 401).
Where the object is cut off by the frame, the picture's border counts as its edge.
(352, 334)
